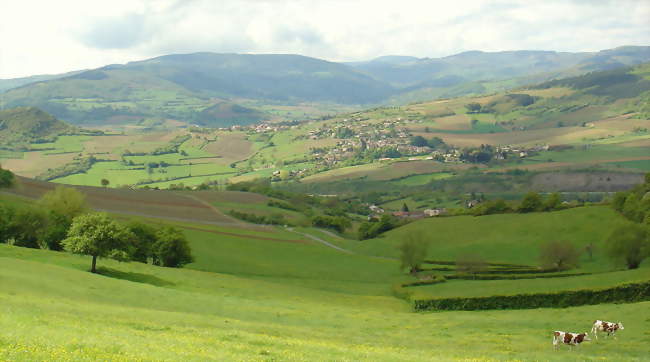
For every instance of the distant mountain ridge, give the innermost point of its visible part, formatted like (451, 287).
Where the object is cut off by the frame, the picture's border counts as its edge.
(477, 65)
(7, 84)
(196, 87)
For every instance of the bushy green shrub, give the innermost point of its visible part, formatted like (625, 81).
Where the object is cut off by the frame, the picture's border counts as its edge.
(145, 238)
(532, 202)
(6, 178)
(372, 229)
(273, 219)
(171, 248)
(338, 223)
(629, 244)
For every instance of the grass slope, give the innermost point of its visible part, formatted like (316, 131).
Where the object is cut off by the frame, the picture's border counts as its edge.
(509, 238)
(269, 294)
(59, 311)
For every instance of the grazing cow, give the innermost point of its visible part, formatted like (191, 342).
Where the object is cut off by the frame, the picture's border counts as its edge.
(572, 339)
(608, 327)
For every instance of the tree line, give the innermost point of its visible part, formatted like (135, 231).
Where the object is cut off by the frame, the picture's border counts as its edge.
(62, 221)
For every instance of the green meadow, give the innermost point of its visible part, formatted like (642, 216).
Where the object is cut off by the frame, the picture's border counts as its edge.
(274, 294)
(63, 144)
(507, 238)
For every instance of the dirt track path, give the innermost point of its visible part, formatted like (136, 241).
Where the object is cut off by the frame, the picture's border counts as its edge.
(317, 239)
(214, 209)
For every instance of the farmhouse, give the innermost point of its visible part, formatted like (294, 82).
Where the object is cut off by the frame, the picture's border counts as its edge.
(376, 209)
(435, 212)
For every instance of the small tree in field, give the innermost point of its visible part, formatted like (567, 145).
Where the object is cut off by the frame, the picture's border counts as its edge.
(98, 235)
(413, 251)
(171, 249)
(629, 244)
(559, 255)
(105, 182)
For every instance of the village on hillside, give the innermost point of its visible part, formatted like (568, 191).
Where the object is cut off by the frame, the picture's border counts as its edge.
(362, 141)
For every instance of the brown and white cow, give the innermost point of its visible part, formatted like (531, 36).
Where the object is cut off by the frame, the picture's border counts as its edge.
(572, 339)
(608, 327)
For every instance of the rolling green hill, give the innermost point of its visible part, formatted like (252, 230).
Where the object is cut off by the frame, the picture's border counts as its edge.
(19, 127)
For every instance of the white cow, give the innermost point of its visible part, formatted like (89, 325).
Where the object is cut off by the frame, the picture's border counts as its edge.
(572, 339)
(608, 327)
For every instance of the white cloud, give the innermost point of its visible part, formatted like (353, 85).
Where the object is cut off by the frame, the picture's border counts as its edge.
(50, 37)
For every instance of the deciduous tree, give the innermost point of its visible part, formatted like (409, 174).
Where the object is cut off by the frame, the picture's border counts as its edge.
(171, 248)
(559, 255)
(413, 251)
(65, 201)
(629, 244)
(144, 241)
(98, 235)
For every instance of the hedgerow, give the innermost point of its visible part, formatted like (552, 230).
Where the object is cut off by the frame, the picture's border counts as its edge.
(626, 293)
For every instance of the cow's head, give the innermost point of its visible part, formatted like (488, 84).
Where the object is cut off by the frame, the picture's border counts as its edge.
(620, 325)
(586, 337)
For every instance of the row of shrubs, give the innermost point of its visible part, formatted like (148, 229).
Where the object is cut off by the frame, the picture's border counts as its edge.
(282, 205)
(532, 202)
(273, 219)
(629, 293)
(336, 223)
(79, 166)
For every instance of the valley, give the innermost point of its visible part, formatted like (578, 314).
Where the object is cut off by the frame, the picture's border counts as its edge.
(274, 207)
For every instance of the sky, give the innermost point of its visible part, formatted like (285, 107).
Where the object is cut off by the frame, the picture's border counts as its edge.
(49, 37)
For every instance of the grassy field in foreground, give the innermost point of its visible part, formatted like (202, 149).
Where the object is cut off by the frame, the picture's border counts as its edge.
(56, 310)
(269, 293)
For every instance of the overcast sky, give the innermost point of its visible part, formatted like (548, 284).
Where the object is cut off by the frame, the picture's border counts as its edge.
(42, 37)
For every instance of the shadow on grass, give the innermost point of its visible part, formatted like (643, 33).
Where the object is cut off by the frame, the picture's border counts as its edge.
(134, 277)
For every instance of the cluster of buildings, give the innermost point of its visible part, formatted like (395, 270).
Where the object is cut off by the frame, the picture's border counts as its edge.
(377, 212)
